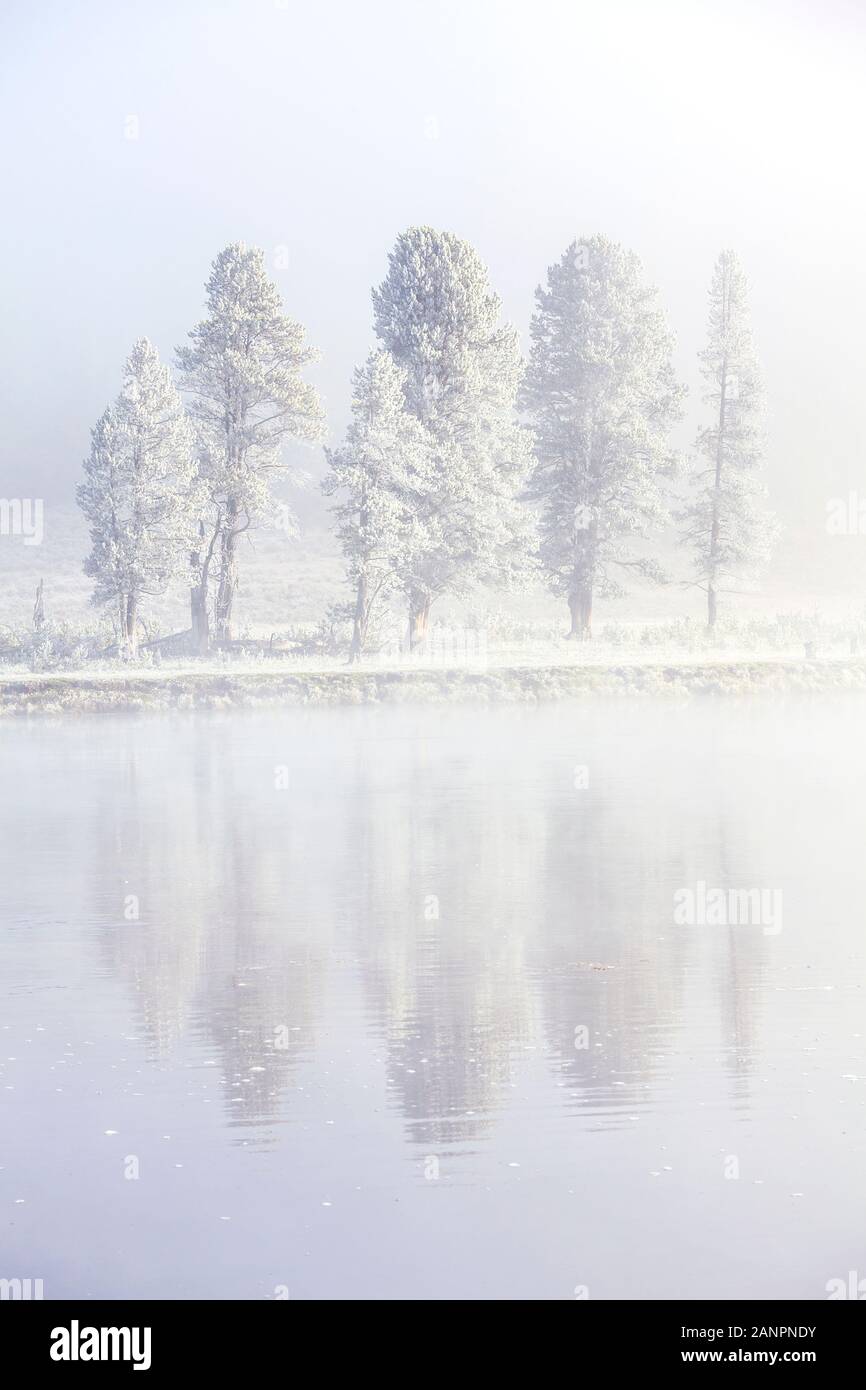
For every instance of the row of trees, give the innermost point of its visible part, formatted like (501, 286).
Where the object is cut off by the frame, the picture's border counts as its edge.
(462, 464)
(168, 490)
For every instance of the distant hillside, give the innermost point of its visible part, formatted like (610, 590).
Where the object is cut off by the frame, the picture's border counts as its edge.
(287, 580)
(282, 579)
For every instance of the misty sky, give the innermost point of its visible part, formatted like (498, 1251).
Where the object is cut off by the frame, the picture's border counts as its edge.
(676, 128)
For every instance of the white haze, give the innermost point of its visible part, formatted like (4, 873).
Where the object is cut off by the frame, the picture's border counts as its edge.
(677, 128)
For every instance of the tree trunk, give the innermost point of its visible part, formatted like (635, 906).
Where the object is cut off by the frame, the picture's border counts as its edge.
(419, 618)
(39, 608)
(122, 642)
(132, 624)
(199, 619)
(717, 491)
(580, 607)
(359, 631)
(228, 578)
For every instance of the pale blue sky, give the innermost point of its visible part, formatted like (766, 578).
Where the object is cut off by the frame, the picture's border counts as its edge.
(676, 128)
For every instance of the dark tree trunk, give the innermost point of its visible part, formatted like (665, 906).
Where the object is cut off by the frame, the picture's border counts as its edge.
(132, 623)
(580, 608)
(228, 577)
(198, 617)
(359, 630)
(199, 593)
(419, 618)
(711, 605)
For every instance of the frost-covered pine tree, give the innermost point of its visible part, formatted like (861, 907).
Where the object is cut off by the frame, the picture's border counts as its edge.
(140, 491)
(437, 315)
(727, 527)
(601, 396)
(380, 471)
(242, 372)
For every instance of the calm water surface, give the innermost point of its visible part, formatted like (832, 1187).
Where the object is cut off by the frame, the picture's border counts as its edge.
(323, 979)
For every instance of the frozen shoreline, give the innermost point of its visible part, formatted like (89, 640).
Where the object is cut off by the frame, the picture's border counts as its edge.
(165, 690)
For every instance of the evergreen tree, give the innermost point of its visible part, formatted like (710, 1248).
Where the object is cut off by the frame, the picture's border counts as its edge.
(728, 529)
(438, 317)
(601, 397)
(242, 371)
(140, 491)
(382, 469)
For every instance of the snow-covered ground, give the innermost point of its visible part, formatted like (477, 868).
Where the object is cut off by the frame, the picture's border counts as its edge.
(491, 646)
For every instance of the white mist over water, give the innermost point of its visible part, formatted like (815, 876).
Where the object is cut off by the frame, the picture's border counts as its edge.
(341, 1032)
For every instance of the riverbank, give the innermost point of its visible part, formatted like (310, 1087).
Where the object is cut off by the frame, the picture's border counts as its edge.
(161, 690)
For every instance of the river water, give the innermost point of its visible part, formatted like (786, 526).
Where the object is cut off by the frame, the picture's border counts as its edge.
(399, 1002)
